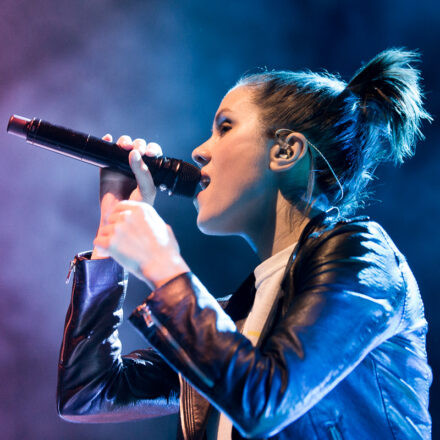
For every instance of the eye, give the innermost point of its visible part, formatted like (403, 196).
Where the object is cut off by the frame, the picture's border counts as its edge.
(224, 127)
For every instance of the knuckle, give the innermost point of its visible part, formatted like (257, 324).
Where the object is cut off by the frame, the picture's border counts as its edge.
(139, 141)
(112, 247)
(141, 209)
(116, 230)
(154, 149)
(145, 210)
(140, 145)
(124, 141)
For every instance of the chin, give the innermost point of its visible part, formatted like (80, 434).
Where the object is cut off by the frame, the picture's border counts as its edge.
(210, 228)
(216, 226)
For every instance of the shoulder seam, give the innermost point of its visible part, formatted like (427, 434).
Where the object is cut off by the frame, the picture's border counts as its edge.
(405, 287)
(381, 397)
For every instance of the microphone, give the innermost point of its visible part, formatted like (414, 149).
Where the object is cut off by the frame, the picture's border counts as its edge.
(174, 175)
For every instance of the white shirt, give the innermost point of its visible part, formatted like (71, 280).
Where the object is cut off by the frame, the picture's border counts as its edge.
(268, 277)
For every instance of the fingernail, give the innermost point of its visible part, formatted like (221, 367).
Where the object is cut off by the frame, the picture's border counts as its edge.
(142, 149)
(137, 156)
(155, 148)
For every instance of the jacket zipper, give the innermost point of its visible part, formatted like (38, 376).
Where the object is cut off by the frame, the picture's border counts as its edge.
(151, 320)
(183, 410)
(335, 433)
(72, 268)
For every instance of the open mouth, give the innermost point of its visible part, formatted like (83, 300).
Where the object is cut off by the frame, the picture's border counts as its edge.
(204, 181)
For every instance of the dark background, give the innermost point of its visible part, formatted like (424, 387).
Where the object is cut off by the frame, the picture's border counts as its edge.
(158, 69)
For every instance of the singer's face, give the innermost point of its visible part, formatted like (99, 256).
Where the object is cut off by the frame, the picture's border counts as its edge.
(235, 168)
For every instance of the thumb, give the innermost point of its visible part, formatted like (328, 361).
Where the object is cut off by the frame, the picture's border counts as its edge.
(143, 176)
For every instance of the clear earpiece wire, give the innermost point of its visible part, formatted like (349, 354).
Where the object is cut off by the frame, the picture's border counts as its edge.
(284, 131)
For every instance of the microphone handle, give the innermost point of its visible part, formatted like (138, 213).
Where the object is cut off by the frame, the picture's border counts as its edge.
(174, 175)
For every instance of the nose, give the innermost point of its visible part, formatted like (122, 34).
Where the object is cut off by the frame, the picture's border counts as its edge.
(201, 155)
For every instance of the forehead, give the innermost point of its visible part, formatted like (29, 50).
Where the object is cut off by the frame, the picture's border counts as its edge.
(239, 99)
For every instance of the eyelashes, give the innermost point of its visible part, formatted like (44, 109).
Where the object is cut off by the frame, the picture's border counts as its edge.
(221, 127)
(224, 127)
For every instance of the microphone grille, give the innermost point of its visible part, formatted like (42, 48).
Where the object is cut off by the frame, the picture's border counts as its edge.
(187, 180)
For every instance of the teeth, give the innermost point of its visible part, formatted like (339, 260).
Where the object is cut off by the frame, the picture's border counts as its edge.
(204, 181)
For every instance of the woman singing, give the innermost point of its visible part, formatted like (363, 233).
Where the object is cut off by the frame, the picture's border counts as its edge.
(326, 338)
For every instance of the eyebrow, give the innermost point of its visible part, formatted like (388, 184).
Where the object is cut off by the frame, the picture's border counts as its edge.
(219, 114)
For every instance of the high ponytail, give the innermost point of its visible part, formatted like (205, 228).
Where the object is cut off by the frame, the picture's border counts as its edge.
(388, 88)
(376, 117)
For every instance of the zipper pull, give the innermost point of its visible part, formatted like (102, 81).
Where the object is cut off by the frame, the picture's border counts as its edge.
(72, 268)
(144, 310)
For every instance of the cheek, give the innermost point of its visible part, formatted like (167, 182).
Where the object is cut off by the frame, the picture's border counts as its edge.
(245, 163)
(246, 174)
(236, 189)
(239, 179)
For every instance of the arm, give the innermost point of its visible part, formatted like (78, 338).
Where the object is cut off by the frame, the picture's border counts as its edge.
(96, 383)
(349, 297)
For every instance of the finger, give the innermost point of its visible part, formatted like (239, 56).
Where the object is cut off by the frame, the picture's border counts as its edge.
(105, 171)
(142, 174)
(102, 243)
(173, 237)
(140, 145)
(125, 205)
(103, 253)
(125, 142)
(108, 229)
(153, 149)
(136, 195)
(134, 206)
(131, 205)
(117, 217)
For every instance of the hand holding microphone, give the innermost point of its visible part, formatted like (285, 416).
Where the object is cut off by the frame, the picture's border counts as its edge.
(115, 187)
(174, 175)
(131, 231)
(118, 235)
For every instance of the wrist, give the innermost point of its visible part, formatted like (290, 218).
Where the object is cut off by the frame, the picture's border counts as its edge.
(97, 255)
(156, 275)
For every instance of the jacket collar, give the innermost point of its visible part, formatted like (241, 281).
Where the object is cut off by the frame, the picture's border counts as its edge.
(240, 303)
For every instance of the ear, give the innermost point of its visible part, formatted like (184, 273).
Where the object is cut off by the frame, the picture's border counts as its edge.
(279, 161)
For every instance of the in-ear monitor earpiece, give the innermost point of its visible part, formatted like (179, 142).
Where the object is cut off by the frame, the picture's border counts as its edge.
(285, 152)
(283, 136)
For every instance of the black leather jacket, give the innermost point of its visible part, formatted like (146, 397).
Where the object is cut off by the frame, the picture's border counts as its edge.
(344, 357)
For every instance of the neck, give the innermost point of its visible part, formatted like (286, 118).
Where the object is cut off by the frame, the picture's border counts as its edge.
(279, 230)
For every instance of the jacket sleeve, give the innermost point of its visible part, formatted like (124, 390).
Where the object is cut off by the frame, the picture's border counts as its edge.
(349, 297)
(96, 383)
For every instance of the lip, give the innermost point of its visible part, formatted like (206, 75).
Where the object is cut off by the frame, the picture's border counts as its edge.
(198, 196)
(196, 202)
(205, 180)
